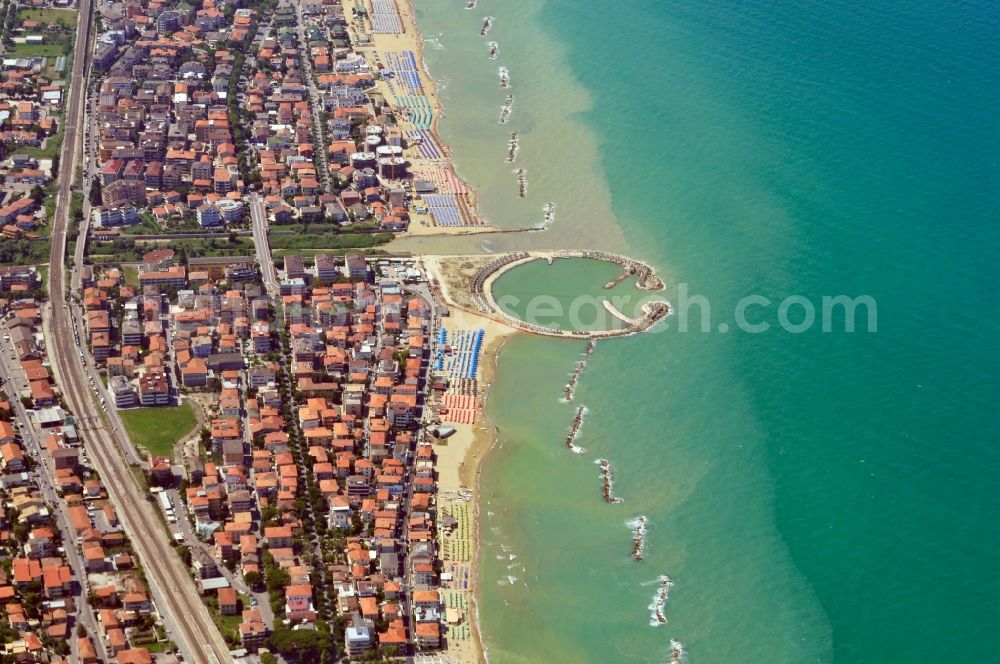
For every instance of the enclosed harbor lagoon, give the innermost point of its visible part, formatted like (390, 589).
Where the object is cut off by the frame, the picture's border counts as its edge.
(567, 294)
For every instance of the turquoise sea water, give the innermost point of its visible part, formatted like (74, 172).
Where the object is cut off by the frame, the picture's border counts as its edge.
(815, 497)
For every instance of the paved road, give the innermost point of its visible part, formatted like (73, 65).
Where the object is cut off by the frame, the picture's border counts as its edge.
(314, 101)
(170, 585)
(258, 219)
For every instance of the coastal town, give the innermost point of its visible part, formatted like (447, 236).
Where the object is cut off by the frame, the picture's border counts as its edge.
(232, 427)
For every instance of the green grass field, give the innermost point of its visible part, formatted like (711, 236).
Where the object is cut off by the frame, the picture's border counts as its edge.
(31, 50)
(131, 273)
(158, 429)
(51, 149)
(64, 17)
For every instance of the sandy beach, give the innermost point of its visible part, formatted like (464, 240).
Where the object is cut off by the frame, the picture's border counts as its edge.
(459, 464)
(434, 166)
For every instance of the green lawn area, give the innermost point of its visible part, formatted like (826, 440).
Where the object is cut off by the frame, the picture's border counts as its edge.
(281, 253)
(131, 273)
(323, 241)
(31, 50)
(158, 429)
(50, 150)
(64, 17)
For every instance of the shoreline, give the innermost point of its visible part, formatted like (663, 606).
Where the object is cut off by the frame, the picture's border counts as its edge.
(469, 197)
(460, 461)
(484, 444)
(461, 457)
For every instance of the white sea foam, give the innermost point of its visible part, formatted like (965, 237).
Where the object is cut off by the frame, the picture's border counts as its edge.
(656, 608)
(678, 655)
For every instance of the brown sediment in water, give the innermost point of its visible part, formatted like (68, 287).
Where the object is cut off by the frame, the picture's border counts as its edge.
(607, 484)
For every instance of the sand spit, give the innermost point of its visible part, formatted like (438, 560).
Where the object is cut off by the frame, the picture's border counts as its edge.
(638, 526)
(494, 50)
(607, 483)
(504, 75)
(512, 147)
(522, 182)
(487, 25)
(656, 609)
(574, 430)
(506, 109)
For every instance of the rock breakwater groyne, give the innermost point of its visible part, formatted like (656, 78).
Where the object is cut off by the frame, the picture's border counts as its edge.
(607, 483)
(548, 213)
(638, 526)
(512, 146)
(487, 25)
(657, 609)
(574, 431)
(570, 390)
(506, 109)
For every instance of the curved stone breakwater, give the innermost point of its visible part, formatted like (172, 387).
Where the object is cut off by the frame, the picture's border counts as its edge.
(574, 431)
(481, 283)
(638, 526)
(487, 25)
(657, 608)
(607, 483)
(647, 279)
